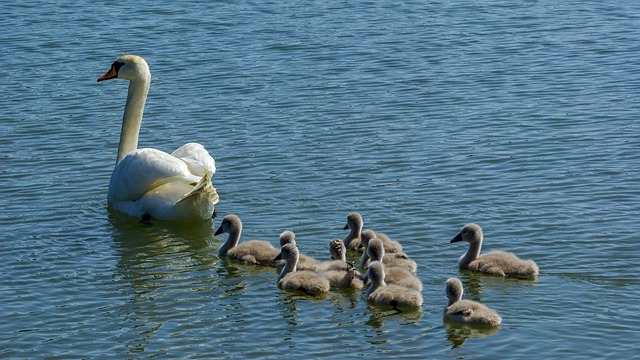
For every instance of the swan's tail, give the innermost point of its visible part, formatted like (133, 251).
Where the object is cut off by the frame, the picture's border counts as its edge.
(203, 196)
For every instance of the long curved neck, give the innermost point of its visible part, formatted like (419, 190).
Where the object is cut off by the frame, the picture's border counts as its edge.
(354, 233)
(132, 119)
(290, 266)
(231, 242)
(472, 253)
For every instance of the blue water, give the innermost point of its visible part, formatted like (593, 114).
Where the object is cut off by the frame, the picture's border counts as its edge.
(520, 116)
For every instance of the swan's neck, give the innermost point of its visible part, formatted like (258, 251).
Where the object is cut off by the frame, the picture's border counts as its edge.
(354, 233)
(290, 266)
(472, 253)
(231, 242)
(375, 283)
(132, 119)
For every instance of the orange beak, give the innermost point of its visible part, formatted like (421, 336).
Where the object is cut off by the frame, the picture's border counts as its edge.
(111, 74)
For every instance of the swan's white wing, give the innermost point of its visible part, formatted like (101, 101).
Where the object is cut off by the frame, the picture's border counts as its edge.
(143, 170)
(197, 159)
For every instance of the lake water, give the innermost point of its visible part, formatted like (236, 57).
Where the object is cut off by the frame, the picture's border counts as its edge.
(521, 116)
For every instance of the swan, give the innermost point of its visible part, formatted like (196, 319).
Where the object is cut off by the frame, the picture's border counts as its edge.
(304, 262)
(354, 225)
(338, 252)
(397, 269)
(376, 252)
(389, 245)
(467, 311)
(381, 293)
(257, 252)
(497, 263)
(150, 183)
(290, 278)
(349, 278)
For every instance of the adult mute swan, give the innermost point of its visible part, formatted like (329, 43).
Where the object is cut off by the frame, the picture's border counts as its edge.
(150, 183)
(498, 263)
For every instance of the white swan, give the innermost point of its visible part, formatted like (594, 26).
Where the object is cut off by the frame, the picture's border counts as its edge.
(306, 281)
(150, 183)
(392, 295)
(467, 311)
(257, 252)
(497, 263)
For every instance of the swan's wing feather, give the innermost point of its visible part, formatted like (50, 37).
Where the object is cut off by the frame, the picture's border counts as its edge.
(143, 170)
(197, 158)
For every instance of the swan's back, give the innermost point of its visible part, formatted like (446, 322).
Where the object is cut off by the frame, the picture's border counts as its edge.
(390, 246)
(349, 278)
(306, 281)
(467, 311)
(376, 252)
(502, 263)
(400, 276)
(257, 252)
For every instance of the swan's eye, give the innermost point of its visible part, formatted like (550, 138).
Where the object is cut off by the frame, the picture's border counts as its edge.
(117, 65)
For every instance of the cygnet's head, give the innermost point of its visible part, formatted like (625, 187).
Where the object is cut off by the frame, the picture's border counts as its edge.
(366, 236)
(375, 250)
(454, 290)
(287, 237)
(289, 253)
(230, 224)
(354, 221)
(375, 273)
(337, 250)
(470, 233)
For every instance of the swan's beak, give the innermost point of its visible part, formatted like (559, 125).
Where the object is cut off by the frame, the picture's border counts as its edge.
(279, 257)
(111, 74)
(219, 231)
(457, 238)
(346, 227)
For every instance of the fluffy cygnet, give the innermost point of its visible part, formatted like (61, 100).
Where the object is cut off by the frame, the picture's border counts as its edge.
(375, 250)
(306, 281)
(304, 262)
(497, 263)
(389, 245)
(256, 252)
(354, 225)
(338, 252)
(467, 311)
(349, 278)
(392, 295)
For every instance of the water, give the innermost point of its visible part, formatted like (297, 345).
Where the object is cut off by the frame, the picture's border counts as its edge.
(520, 116)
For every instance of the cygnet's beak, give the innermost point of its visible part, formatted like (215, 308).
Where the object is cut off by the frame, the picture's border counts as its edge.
(457, 238)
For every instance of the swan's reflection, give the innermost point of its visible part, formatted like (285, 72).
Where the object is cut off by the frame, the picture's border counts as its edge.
(380, 313)
(458, 333)
(161, 266)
